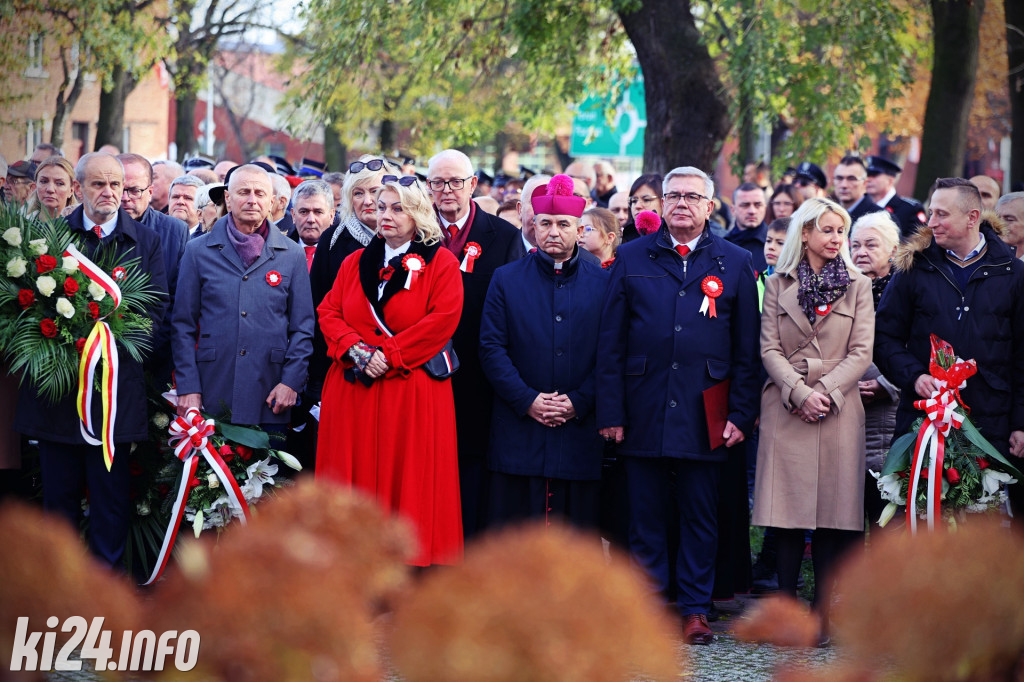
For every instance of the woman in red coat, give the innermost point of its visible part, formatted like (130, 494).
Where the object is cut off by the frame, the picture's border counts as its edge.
(387, 427)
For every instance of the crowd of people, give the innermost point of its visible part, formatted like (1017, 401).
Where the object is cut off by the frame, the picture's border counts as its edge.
(658, 365)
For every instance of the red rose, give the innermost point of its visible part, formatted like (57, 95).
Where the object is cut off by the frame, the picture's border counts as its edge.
(70, 286)
(924, 472)
(194, 483)
(45, 263)
(79, 345)
(162, 490)
(244, 452)
(982, 463)
(953, 476)
(94, 310)
(226, 453)
(48, 328)
(26, 297)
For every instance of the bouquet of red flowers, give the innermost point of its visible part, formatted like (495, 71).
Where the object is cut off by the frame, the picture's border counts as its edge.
(944, 464)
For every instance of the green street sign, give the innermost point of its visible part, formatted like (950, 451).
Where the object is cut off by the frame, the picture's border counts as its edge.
(593, 136)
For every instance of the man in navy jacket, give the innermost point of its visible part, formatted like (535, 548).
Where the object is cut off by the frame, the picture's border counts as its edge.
(538, 347)
(67, 463)
(680, 317)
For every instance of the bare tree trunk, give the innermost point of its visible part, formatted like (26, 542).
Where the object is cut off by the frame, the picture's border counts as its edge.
(67, 97)
(110, 127)
(387, 136)
(687, 113)
(1014, 11)
(335, 151)
(954, 69)
(185, 123)
(564, 159)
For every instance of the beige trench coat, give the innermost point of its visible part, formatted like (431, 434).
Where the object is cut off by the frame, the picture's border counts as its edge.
(812, 475)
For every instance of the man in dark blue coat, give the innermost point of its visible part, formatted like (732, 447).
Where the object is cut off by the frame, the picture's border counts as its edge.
(67, 463)
(463, 224)
(956, 279)
(750, 232)
(538, 347)
(680, 317)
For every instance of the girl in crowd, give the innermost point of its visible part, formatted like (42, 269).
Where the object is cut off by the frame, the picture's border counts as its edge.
(600, 234)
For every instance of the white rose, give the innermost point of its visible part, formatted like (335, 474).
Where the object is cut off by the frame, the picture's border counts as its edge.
(142, 508)
(161, 420)
(96, 291)
(213, 481)
(16, 267)
(46, 285)
(38, 246)
(12, 236)
(65, 307)
(69, 264)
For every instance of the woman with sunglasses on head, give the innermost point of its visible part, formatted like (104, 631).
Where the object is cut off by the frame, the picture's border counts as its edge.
(387, 426)
(356, 227)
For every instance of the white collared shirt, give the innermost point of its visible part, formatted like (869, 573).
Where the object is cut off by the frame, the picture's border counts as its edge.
(460, 223)
(106, 228)
(692, 244)
(390, 253)
(887, 198)
(972, 254)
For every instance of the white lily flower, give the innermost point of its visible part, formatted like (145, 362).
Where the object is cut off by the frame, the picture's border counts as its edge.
(887, 514)
(197, 523)
(288, 459)
(992, 479)
(259, 473)
(889, 487)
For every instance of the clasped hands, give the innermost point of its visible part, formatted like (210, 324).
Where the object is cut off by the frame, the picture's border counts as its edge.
(552, 409)
(814, 409)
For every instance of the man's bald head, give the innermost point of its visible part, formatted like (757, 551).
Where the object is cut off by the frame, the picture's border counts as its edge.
(989, 190)
(249, 197)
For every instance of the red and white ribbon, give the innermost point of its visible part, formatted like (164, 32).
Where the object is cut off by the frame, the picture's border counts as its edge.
(473, 251)
(414, 263)
(712, 288)
(941, 416)
(190, 436)
(98, 345)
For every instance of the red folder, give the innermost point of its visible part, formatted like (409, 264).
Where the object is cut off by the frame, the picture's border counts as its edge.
(716, 412)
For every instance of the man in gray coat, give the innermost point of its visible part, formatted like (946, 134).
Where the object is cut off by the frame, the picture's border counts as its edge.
(243, 317)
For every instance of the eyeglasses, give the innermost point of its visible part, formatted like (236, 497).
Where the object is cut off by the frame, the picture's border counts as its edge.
(646, 200)
(135, 192)
(404, 181)
(588, 228)
(454, 184)
(691, 198)
(372, 164)
(19, 181)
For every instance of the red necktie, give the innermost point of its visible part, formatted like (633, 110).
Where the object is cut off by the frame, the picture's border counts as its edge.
(310, 250)
(682, 250)
(98, 230)
(453, 231)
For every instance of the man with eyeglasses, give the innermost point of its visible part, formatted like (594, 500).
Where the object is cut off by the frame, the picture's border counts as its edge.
(20, 182)
(496, 242)
(750, 231)
(881, 187)
(173, 234)
(850, 186)
(811, 181)
(679, 330)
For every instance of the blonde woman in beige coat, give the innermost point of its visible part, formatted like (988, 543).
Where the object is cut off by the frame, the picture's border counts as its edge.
(817, 332)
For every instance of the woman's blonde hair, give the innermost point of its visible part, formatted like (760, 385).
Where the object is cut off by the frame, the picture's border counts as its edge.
(418, 206)
(807, 218)
(363, 178)
(33, 203)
